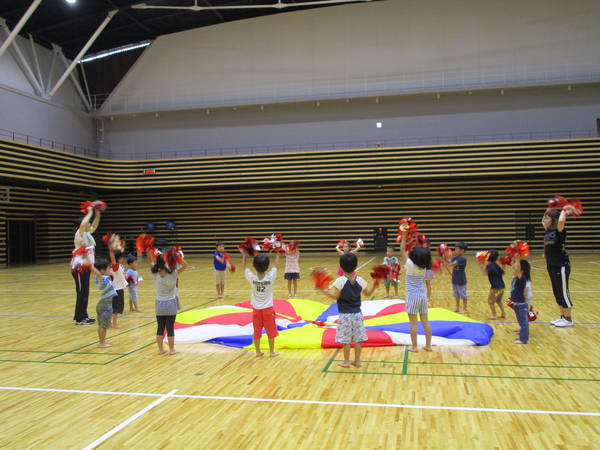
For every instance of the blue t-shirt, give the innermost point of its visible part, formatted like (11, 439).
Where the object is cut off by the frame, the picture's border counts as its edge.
(107, 291)
(218, 264)
(459, 276)
(349, 300)
(133, 274)
(517, 292)
(495, 273)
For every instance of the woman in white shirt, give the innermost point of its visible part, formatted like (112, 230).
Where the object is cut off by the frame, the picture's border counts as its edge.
(81, 275)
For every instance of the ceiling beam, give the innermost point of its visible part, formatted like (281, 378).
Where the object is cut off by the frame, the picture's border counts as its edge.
(19, 25)
(85, 48)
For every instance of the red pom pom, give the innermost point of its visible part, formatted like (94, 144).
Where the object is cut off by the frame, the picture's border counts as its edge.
(532, 315)
(510, 304)
(482, 256)
(520, 248)
(226, 257)
(577, 207)
(143, 242)
(153, 254)
(98, 205)
(113, 241)
(249, 246)
(381, 271)
(85, 205)
(107, 237)
(232, 268)
(321, 278)
(505, 260)
(444, 251)
(173, 257)
(341, 243)
(80, 251)
(407, 224)
(558, 201)
(436, 265)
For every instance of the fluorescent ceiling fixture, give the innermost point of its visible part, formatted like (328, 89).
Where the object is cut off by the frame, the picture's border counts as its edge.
(114, 51)
(71, 2)
(278, 5)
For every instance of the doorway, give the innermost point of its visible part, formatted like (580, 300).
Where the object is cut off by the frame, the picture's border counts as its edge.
(21, 241)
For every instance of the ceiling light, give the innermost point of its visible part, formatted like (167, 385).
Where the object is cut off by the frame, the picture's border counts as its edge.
(114, 51)
(71, 2)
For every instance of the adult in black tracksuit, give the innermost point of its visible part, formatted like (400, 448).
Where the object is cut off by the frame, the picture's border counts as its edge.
(557, 262)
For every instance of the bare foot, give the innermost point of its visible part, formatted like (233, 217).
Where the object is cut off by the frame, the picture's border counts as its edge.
(172, 352)
(428, 349)
(464, 311)
(105, 344)
(492, 317)
(344, 364)
(519, 342)
(138, 310)
(273, 354)
(357, 364)
(413, 349)
(116, 326)
(162, 352)
(455, 310)
(259, 354)
(503, 316)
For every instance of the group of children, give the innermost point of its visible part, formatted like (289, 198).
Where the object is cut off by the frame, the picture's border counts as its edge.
(347, 290)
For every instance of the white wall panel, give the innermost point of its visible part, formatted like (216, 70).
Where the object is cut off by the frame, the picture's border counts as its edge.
(389, 47)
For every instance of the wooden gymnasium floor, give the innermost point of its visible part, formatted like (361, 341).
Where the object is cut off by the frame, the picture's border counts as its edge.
(58, 390)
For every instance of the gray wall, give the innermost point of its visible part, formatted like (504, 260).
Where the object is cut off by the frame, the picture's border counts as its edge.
(354, 124)
(59, 119)
(365, 49)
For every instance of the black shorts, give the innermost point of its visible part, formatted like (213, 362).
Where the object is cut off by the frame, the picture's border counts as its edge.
(118, 302)
(291, 276)
(559, 276)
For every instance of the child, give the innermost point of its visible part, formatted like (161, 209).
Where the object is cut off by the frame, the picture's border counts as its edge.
(459, 277)
(132, 278)
(347, 291)
(117, 271)
(495, 274)
(167, 302)
(220, 266)
(263, 314)
(344, 247)
(392, 279)
(107, 293)
(522, 271)
(416, 263)
(292, 267)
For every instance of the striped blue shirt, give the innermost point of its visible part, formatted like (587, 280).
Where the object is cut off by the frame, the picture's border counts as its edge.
(107, 291)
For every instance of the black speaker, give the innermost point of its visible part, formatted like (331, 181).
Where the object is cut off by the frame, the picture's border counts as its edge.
(380, 238)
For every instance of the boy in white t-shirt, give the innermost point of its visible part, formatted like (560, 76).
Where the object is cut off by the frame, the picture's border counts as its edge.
(263, 314)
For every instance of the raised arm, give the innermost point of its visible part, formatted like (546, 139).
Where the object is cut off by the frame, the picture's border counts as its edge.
(96, 222)
(85, 221)
(403, 251)
(483, 267)
(184, 265)
(338, 249)
(562, 219)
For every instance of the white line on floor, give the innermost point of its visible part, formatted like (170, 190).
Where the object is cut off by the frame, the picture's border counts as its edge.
(123, 424)
(364, 264)
(309, 402)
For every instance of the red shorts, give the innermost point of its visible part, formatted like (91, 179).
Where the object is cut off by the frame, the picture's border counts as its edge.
(264, 318)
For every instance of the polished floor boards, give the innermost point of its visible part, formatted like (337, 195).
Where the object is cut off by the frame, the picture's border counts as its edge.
(59, 390)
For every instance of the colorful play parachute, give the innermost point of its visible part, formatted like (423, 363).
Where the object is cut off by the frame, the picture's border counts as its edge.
(311, 324)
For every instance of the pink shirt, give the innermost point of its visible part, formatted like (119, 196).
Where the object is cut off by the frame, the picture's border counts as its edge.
(291, 262)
